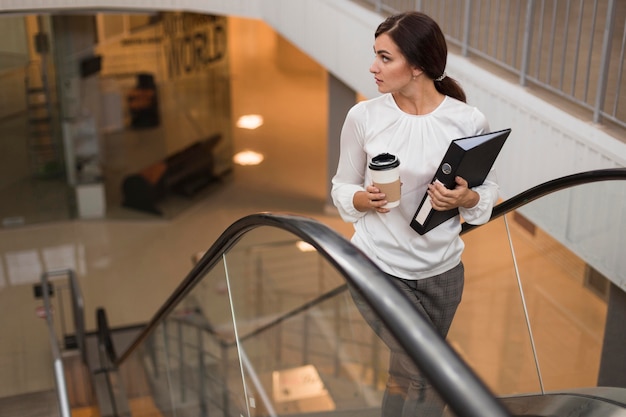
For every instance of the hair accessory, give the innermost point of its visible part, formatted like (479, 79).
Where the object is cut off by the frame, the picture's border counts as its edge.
(442, 77)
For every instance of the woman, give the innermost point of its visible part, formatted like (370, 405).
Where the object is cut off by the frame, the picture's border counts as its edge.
(420, 111)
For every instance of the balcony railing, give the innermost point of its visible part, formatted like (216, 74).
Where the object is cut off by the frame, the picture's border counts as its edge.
(574, 49)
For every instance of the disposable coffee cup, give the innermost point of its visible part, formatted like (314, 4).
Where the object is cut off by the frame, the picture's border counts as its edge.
(385, 171)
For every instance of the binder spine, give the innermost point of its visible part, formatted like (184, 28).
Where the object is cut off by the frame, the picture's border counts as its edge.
(445, 174)
(449, 166)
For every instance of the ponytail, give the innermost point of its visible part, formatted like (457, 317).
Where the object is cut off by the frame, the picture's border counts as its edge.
(450, 87)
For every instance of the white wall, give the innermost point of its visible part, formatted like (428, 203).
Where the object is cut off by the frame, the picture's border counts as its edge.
(546, 142)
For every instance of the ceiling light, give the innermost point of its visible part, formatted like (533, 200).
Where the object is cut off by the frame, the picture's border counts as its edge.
(250, 121)
(248, 158)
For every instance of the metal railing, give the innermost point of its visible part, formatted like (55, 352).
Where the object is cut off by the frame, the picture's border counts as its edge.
(195, 344)
(55, 344)
(574, 49)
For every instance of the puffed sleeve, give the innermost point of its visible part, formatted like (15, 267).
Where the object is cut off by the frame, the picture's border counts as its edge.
(481, 212)
(350, 174)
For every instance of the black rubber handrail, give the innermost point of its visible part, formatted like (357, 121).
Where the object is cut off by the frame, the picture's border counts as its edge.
(534, 193)
(105, 337)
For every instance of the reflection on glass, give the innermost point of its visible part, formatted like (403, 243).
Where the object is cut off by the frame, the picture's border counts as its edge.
(304, 344)
(304, 350)
(191, 360)
(489, 329)
(565, 290)
(568, 288)
(143, 95)
(272, 330)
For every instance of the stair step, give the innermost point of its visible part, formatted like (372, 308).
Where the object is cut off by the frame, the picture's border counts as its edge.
(38, 103)
(41, 137)
(38, 128)
(43, 146)
(35, 90)
(40, 120)
(39, 113)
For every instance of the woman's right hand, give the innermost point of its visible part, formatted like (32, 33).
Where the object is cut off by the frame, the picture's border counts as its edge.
(370, 199)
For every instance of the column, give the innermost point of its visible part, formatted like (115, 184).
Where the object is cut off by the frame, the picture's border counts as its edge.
(340, 99)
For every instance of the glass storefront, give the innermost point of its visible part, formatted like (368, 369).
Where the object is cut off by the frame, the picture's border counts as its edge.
(112, 115)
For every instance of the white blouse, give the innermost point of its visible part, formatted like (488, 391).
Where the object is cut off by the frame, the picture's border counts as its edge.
(377, 126)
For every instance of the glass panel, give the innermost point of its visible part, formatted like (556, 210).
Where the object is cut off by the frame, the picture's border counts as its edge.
(191, 361)
(301, 351)
(489, 330)
(33, 183)
(567, 289)
(305, 345)
(272, 272)
(590, 219)
(126, 118)
(165, 127)
(142, 375)
(273, 329)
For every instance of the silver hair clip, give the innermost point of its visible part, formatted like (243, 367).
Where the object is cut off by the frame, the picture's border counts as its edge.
(442, 77)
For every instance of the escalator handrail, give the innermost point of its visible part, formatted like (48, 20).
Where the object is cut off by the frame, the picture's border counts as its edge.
(78, 314)
(57, 357)
(105, 339)
(541, 190)
(459, 386)
(456, 382)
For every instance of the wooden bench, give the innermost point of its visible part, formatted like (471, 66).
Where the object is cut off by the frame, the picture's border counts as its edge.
(185, 173)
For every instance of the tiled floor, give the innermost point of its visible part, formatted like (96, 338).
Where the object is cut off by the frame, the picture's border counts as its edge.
(131, 265)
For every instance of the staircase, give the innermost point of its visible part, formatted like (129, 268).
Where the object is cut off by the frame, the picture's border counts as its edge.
(44, 145)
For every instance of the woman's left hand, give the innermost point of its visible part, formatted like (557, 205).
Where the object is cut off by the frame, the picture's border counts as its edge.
(444, 199)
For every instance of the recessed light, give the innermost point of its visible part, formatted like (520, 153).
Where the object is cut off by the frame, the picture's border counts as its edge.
(250, 121)
(248, 158)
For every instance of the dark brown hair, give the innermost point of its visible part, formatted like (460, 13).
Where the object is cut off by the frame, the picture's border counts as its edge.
(423, 44)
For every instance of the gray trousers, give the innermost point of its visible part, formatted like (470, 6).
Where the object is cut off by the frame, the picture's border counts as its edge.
(407, 393)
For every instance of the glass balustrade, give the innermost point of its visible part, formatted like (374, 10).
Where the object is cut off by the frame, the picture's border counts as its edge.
(272, 329)
(565, 291)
